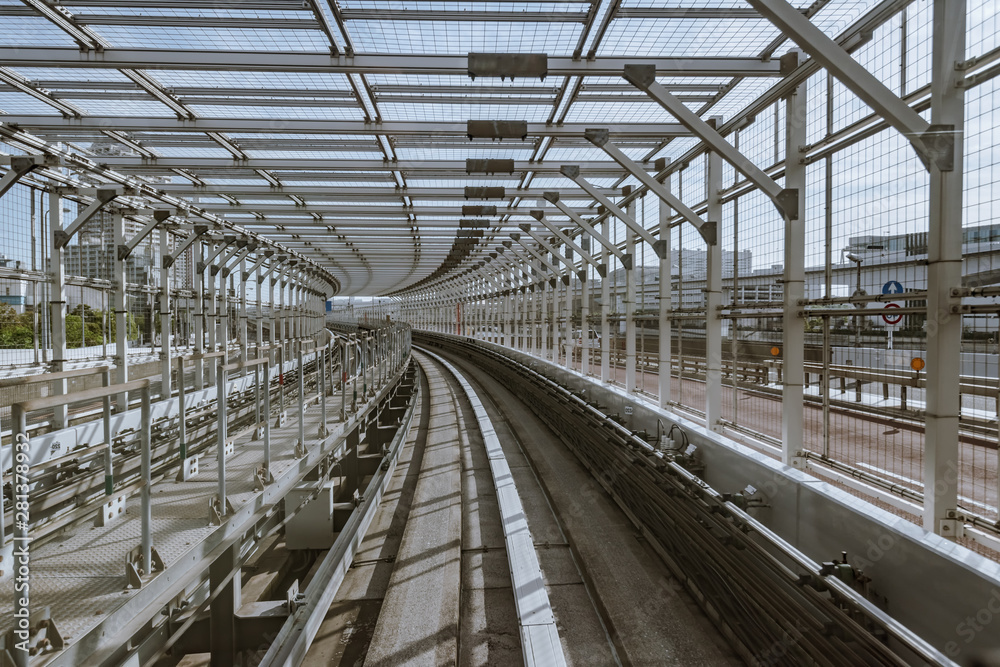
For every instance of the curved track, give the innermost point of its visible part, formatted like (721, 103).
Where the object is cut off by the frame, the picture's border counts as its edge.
(431, 583)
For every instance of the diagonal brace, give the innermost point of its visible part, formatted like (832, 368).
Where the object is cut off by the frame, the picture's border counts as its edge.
(537, 255)
(553, 198)
(933, 143)
(101, 198)
(160, 216)
(540, 217)
(19, 166)
(643, 77)
(572, 172)
(199, 230)
(707, 229)
(226, 241)
(548, 247)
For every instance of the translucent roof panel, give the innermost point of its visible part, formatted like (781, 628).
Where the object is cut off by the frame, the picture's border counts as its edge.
(464, 112)
(224, 39)
(386, 36)
(32, 31)
(383, 130)
(690, 38)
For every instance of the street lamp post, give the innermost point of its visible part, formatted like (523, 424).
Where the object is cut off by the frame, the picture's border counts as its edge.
(858, 292)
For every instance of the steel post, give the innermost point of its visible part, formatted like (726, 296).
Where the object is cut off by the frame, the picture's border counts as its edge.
(793, 326)
(713, 298)
(944, 270)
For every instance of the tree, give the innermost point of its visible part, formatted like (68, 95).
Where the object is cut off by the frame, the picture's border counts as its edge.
(15, 330)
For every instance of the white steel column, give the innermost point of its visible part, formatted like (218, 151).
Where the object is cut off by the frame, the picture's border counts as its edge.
(713, 297)
(605, 305)
(544, 312)
(630, 305)
(199, 314)
(793, 326)
(666, 331)
(944, 270)
(585, 308)
(57, 305)
(568, 310)
(121, 323)
(165, 316)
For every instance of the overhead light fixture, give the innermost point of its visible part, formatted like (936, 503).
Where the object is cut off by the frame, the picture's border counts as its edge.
(479, 210)
(497, 129)
(510, 65)
(489, 166)
(484, 192)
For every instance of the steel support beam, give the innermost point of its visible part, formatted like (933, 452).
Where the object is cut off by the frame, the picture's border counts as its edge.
(57, 305)
(644, 78)
(713, 298)
(944, 274)
(410, 64)
(793, 325)
(599, 137)
(665, 290)
(933, 143)
(572, 172)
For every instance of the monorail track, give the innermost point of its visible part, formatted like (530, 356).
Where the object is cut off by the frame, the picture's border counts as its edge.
(772, 603)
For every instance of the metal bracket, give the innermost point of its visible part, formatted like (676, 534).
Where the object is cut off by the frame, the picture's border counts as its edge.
(189, 468)
(602, 270)
(709, 232)
(788, 201)
(565, 279)
(660, 248)
(300, 450)
(135, 569)
(42, 636)
(627, 261)
(261, 478)
(951, 528)
(216, 511)
(939, 144)
(293, 598)
(113, 508)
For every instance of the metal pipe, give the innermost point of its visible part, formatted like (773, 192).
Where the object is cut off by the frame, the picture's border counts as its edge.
(147, 480)
(221, 432)
(267, 421)
(109, 470)
(302, 399)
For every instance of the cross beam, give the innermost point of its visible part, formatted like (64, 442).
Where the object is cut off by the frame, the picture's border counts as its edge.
(572, 172)
(707, 229)
(553, 198)
(931, 142)
(407, 64)
(644, 78)
(602, 269)
(102, 197)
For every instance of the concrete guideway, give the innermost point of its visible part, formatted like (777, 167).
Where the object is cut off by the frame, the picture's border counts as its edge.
(613, 598)
(448, 572)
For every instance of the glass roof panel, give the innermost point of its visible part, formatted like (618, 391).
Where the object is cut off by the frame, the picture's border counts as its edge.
(276, 113)
(32, 31)
(464, 112)
(385, 36)
(224, 39)
(732, 38)
(17, 103)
